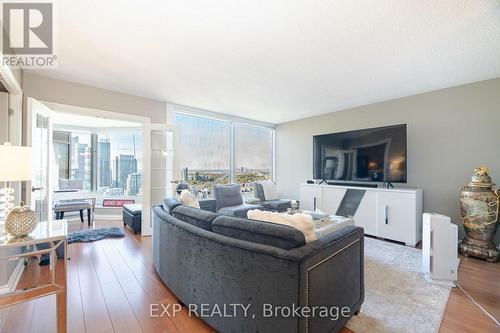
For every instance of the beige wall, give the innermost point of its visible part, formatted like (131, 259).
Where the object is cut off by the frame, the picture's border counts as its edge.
(450, 132)
(69, 93)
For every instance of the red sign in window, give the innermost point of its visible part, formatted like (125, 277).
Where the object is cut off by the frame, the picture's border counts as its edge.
(117, 202)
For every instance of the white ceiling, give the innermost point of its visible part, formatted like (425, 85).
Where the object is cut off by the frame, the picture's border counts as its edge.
(277, 60)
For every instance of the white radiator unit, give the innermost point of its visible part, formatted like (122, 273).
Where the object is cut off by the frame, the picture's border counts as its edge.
(440, 249)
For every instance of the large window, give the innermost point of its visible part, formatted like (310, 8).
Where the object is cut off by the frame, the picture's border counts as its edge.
(205, 151)
(108, 162)
(253, 154)
(217, 151)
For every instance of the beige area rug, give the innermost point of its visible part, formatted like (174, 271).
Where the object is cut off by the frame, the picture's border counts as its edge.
(397, 297)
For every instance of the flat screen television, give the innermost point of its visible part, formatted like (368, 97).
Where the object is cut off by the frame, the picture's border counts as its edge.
(368, 155)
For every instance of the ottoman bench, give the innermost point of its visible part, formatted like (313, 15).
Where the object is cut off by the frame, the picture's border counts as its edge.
(132, 216)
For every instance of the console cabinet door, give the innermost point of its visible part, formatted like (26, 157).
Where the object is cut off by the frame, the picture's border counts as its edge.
(365, 216)
(331, 199)
(396, 215)
(310, 197)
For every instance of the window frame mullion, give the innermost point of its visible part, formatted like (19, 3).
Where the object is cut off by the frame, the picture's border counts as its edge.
(93, 161)
(232, 154)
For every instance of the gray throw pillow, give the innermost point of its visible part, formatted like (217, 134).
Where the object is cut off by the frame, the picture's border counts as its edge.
(228, 195)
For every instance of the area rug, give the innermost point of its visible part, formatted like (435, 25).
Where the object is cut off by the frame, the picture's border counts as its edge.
(397, 297)
(92, 235)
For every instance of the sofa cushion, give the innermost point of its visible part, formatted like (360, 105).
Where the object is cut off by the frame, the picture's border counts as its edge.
(281, 236)
(269, 191)
(195, 216)
(280, 205)
(258, 191)
(238, 210)
(228, 195)
(169, 204)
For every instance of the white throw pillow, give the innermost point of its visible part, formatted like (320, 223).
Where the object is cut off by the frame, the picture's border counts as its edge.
(299, 221)
(187, 198)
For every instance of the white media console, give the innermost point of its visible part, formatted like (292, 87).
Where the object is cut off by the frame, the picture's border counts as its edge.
(394, 214)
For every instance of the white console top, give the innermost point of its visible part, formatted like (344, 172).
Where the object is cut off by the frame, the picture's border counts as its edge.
(378, 189)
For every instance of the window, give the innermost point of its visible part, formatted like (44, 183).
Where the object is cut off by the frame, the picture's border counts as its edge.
(61, 153)
(108, 162)
(206, 152)
(253, 154)
(119, 160)
(73, 159)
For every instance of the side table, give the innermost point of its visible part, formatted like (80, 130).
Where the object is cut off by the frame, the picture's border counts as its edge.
(53, 233)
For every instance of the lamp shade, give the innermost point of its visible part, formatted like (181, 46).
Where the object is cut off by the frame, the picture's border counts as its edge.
(15, 163)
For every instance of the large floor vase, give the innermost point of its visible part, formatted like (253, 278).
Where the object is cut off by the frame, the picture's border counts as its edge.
(480, 206)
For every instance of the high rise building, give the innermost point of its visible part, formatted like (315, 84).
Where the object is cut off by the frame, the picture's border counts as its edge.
(134, 183)
(185, 174)
(104, 160)
(124, 165)
(81, 163)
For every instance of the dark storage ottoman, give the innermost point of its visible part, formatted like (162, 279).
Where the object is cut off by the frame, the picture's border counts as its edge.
(132, 216)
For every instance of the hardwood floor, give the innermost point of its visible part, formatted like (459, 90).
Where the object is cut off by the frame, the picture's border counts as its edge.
(111, 284)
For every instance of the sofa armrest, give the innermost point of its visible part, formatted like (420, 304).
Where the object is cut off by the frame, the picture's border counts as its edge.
(329, 243)
(332, 276)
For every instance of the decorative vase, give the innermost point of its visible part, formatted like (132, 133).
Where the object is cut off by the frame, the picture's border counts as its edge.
(21, 221)
(479, 206)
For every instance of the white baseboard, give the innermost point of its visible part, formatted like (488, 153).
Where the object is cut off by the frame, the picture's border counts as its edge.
(11, 285)
(109, 217)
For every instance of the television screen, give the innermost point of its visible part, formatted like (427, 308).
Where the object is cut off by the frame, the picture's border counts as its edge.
(368, 155)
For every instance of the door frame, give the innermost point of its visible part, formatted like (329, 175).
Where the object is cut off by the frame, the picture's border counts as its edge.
(147, 126)
(146, 224)
(47, 111)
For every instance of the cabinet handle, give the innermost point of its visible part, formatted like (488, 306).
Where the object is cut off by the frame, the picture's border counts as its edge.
(386, 214)
(314, 204)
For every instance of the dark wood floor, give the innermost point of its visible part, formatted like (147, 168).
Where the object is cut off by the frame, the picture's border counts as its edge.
(111, 284)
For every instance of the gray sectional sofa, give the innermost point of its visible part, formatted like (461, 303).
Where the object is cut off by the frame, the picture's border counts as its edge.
(215, 261)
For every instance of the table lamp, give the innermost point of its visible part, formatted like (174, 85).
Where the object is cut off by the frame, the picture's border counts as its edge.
(15, 165)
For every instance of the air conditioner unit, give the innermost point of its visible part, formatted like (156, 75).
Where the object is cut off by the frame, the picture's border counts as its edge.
(440, 249)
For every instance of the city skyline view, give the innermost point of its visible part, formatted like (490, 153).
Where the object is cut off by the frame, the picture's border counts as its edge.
(118, 156)
(206, 153)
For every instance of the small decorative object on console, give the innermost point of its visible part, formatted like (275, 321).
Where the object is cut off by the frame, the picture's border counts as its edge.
(294, 207)
(21, 221)
(480, 205)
